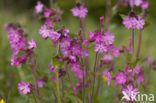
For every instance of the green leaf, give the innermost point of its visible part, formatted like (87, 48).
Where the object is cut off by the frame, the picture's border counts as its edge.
(122, 16)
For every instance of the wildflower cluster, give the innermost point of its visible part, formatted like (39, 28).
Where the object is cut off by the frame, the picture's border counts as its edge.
(134, 22)
(21, 47)
(73, 53)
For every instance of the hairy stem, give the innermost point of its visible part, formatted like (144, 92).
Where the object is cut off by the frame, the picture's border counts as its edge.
(133, 40)
(72, 86)
(57, 86)
(96, 58)
(34, 62)
(108, 13)
(51, 4)
(36, 84)
(139, 44)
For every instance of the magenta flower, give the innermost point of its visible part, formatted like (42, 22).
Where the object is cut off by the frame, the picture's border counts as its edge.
(131, 92)
(75, 11)
(44, 31)
(140, 23)
(74, 66)
(65, 42)
(137, 69)
(116, 52)
(40, 83)
(107, 57)
(129, 22)
(51, 68)
(31, 44)
(145, 4)
(120, 78)
(66, 32)
(79, 74)
(47, 13)
(107, 76)
(17, 60)
(39, 7)
(83, 12)
(91, 34)
(24, 88)
(76, 49)
(54, 79)
(138, 2)
(80, 12)
(140, 78)
(16, 40)
(53, 35)
(109, 37)
(100, 48)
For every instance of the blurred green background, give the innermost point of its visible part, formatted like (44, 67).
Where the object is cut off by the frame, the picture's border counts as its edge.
(22, 11)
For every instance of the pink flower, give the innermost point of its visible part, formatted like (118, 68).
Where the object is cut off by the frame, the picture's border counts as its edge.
(91, 34)
(132, 22)
(39, 7)
(31, 44)
(75, 11)
(120, 78)
(129, 22)
(76, 50)
(24, 88)
(79, 74)
(116, 52)
(100, 48)
(145, 4)
(138, 2)
(140, 78)
(65, 42)
(54, 79)
(40, 83)
(44, 31)
(80, 12)
(107, 57)
(47, 13)
(53, 35)
(107, 76)
(131, 92)
(109, 37)
(137, 69)
(51, 68)
(83, 12)
(140, 23)
(17, 60)
(74, 66)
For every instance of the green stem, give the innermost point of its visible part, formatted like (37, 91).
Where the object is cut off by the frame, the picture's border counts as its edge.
(139, 44)
(133, 40)
(96, 59)
(57, 86)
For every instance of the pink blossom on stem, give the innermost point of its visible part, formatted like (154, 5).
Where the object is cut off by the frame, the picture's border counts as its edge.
(44, 31)
(107, 76)
(145, 5)
(40, 83)
(31, 44)
(137, 69)
(140, 78)
(120, 78)
(109, 37)
(80, 12)
(100, 48)
(24, 88)
(39, 7)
